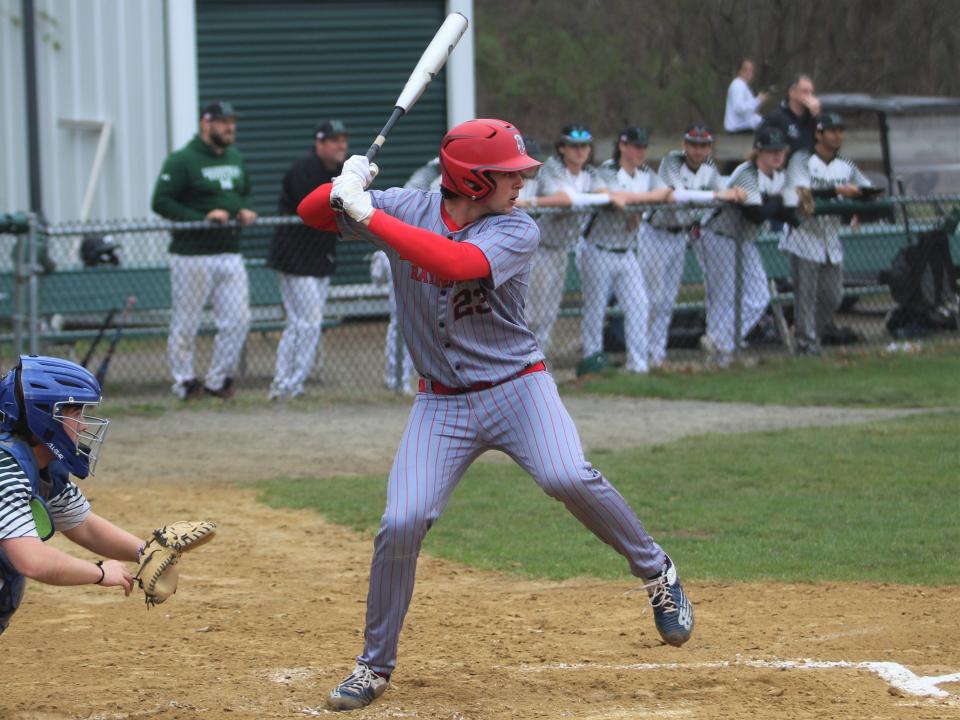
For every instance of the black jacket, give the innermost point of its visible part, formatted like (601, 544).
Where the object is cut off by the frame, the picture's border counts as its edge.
(801, 131)
(298, 249)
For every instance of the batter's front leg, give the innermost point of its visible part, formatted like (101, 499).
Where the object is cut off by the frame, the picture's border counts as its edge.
(438, 445)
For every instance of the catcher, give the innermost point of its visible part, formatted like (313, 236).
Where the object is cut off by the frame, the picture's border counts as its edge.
(45, 435)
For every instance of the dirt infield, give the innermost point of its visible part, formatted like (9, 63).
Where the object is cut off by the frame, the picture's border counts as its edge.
(270, 614)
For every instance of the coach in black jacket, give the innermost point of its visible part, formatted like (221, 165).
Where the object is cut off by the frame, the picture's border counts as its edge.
(796, 115)
(304, 259)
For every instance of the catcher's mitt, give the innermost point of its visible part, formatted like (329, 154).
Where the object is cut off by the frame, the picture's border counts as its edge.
(158, 573)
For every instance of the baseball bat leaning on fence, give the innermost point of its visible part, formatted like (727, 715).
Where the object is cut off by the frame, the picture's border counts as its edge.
(101, 373)
(96, 341)
(432, 60)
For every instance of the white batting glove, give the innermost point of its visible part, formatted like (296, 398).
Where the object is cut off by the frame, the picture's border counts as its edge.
(348, 195)
(362, 168)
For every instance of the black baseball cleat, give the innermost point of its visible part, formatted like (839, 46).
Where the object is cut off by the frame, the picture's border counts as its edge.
(672, 611)
(225, 392)
(190, 389)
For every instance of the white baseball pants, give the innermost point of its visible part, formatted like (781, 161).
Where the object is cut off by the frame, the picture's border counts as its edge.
(196, 280)
(717, 256)
(304, 298)
(661, 256)
(603, 271)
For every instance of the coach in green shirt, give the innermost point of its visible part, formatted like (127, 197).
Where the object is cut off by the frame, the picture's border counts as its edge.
(207, 180)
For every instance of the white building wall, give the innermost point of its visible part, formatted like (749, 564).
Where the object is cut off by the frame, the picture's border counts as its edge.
(109, 68)
(14, 183)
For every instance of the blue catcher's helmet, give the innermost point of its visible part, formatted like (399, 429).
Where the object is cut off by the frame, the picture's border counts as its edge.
(47, 398)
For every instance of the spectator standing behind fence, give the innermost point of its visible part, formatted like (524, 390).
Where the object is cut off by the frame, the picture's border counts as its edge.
(796, 115)
(694, 178)
(610, 259)
(207, 180)
(304, 259)
(566, 180)
(814, 248)
(741, 113)
(763, 181)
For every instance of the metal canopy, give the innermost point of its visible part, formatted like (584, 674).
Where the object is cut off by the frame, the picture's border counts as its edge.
(890, 104)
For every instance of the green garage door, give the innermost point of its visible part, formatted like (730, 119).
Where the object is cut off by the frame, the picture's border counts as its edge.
(288, 65)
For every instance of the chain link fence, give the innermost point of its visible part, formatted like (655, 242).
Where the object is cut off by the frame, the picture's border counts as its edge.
(650, 286)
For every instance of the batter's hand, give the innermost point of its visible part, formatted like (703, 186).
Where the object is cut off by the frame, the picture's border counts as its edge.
(218, 215)
(245, 216)
(362, 168)
(349, 194)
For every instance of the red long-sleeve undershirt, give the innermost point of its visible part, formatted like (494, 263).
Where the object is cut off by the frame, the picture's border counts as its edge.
(457, 261)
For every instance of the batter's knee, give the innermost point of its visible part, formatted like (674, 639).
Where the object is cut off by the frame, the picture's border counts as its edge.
(404, 532)
(560, 483)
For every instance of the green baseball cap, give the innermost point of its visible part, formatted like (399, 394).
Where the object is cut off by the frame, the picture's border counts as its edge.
(635, 135)
(330, 128)
(218, 110)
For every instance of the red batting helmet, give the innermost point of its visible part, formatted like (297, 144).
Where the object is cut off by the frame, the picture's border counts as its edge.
(474, 149)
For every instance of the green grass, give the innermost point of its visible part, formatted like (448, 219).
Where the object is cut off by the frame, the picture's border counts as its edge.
(876, 502)
(874, 379)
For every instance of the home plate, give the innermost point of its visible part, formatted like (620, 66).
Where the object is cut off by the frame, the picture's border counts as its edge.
(893, 673)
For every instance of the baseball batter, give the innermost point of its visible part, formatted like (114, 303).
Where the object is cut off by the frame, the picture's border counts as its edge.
(694, 178)
(764, 183)
(609, 261)
(461, 262)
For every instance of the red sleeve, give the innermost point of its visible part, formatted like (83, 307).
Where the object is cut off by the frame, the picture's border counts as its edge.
(452, 260)
(315, 209)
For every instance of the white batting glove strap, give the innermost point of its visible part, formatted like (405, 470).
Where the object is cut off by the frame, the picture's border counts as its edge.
(363, 169)
(349, 194)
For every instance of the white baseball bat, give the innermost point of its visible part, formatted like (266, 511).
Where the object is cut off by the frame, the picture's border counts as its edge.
(432, 60)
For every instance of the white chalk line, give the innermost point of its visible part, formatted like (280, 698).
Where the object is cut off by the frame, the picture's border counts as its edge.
(893, 673)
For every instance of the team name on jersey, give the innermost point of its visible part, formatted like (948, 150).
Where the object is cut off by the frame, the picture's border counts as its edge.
(424, 276)
(223, 174)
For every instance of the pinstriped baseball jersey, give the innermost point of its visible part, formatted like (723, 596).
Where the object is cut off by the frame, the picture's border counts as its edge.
(461, 333)
(818, 238)
(675, 172)
(729, 220)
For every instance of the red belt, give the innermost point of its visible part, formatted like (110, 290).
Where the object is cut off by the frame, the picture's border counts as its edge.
(432, 386)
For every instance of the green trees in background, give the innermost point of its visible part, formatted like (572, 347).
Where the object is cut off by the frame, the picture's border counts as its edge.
(665, 63)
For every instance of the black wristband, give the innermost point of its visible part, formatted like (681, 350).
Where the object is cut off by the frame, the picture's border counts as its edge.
(103, 574)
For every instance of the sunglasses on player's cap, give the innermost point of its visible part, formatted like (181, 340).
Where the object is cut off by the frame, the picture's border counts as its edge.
(575, 134)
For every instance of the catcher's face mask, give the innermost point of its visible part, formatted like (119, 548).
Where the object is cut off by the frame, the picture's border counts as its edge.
(86, 431)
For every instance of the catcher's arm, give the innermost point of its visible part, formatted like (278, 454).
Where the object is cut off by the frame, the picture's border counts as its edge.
(44, 563)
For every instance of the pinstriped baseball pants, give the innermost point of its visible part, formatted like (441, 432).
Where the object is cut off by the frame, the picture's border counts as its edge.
(524, 418)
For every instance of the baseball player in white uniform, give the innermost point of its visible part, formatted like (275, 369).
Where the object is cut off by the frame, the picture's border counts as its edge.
(565, 180)
(764, 182)
(461, 263)
(816, 254)
(694, 178)
(609, 261)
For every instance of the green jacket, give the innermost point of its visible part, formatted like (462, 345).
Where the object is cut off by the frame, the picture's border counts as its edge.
(195, 180)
